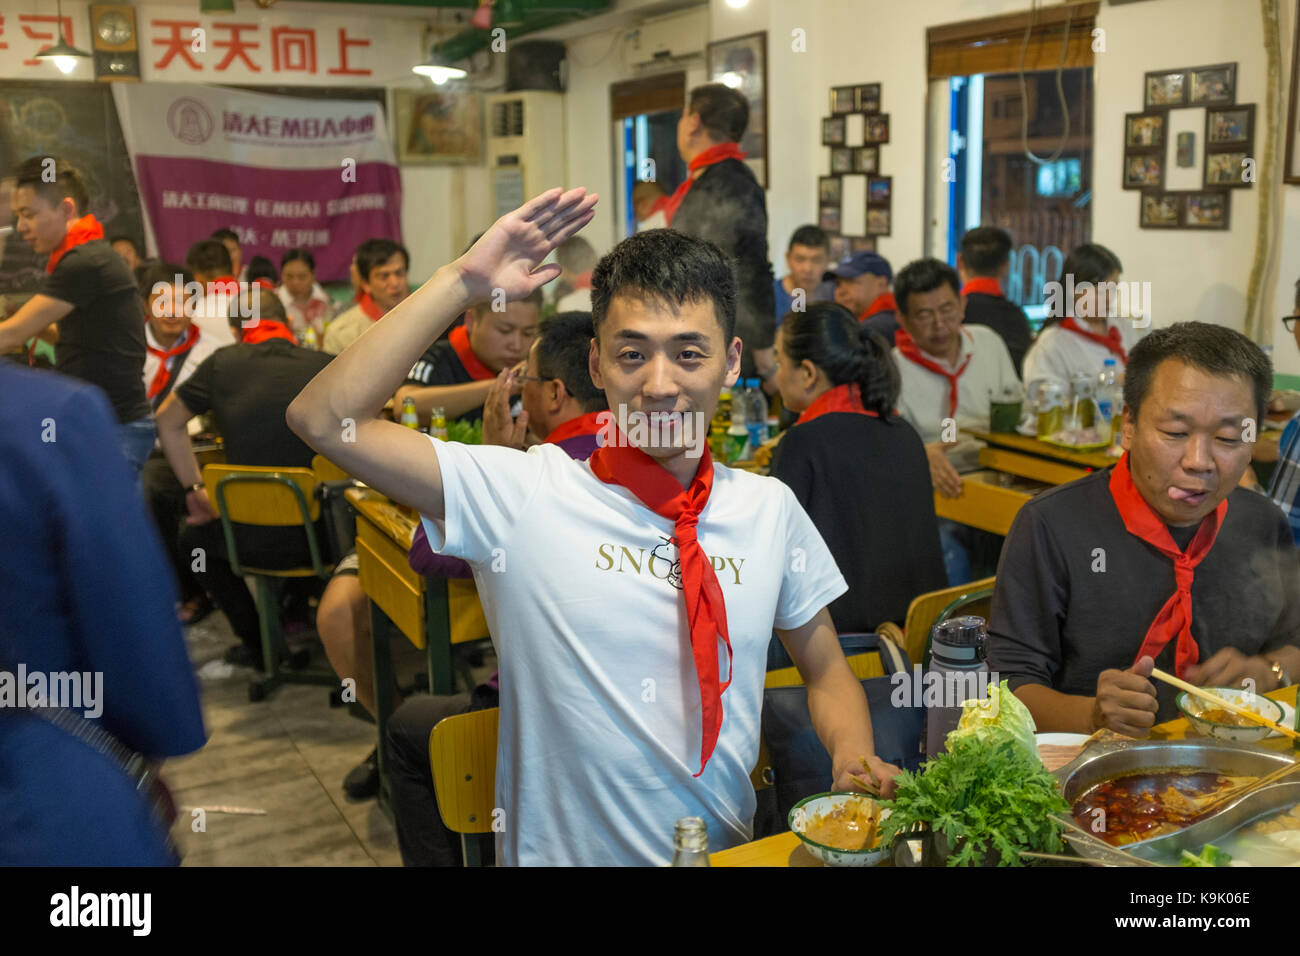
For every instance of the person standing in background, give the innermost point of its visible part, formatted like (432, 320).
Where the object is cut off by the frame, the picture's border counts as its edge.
(806, 259)
(722, 202)
(89, 291)
(576, 259)
(983, 264)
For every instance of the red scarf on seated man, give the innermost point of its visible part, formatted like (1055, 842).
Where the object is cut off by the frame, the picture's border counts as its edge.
(1112, 340)
(881, 303)
(841, 398)
(907, 348)
(714, 154)
(987, 285)
(265, 329)
(458, 338)
(1174, 621)
(370, 307)
(588, 424)
(706, 612)
(85, 229)
(164, 356)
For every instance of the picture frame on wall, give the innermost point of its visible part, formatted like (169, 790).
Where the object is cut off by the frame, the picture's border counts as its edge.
(866, 159)
(875, 128)
(828, 190)
(1212, 85)
(439, 126)
(839, 248)
(867, 98)
(879, 190)
(1159, 210)
(841, 159)
(741, 63)
(862, 244)
(1165, 88)
(1224, 169)
(828, 218)
(1144, 130)
(833, 131)
(1185, 156)
(878, 222)
(1144, 170)
(1207, 210)
(844, 99)
(1291, 169)
(1230, 126)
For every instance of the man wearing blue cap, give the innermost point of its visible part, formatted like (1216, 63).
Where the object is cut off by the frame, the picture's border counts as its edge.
(862, 286)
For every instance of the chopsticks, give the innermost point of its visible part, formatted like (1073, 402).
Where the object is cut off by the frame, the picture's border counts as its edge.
(1223, 702)
(1232, 795)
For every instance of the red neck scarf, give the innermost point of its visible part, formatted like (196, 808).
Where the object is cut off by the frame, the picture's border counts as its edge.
(370, 307)
(1175, 618)
(984, 284)
(1110, 341)
(841, 398)
(459, 339)
(84, 230)
(266, 329)
(882, 303)
(706, 613)
(583, 281)
(581, 425)
(907, 348)
(164, 356)
(714, 154)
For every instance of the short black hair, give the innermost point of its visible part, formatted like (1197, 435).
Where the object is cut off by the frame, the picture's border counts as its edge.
(1090, 262)
(670, 267)
(923, 275)
(576, 255)
(375, 252)
(1211, 348)
(724, 112)
(1297, 293)
(810, 236)
(563, 347)
(260, 267)
(298, 255)
(268, 304)
(222, 234)
(124, 238)
(67, 182)
(985, 250)
(149, 274)
(831, 337)
(209, 257)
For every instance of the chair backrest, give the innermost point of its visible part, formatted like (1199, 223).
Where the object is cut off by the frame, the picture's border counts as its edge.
(929, 609)
(326, 470)
(463, 754)
(273, 497)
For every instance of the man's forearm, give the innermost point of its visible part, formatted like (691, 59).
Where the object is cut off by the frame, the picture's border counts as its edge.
(180, 453)
(1054, 712)
(840, 716)
(455, 400)
(357, 383)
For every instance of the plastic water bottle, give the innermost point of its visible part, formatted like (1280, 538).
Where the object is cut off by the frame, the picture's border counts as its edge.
(755, 414)
(737, 444)
(1110, 400)
(957, 665)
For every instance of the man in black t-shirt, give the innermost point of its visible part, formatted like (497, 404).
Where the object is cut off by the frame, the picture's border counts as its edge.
(983, 264)
(725, 205)
(1161, 558)
(456, 373)
(88, 291)
(247, 387)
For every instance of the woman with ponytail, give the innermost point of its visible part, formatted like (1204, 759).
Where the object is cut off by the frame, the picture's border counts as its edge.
(858, 469)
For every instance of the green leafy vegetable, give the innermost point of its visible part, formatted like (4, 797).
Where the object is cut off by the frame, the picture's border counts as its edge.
(467, 433)
(1210, 855)
(1001, 712)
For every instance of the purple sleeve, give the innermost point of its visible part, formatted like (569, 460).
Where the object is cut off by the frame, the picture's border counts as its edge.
(426, 563)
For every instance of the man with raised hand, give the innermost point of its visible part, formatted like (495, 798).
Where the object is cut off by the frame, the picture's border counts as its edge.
(625, 704)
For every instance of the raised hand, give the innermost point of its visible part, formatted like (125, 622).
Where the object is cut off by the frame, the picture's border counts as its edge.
(508, 255)
(498, 427)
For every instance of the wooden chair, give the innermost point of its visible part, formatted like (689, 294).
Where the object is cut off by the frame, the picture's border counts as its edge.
(270, 497)
(463, 754)
(929, 609)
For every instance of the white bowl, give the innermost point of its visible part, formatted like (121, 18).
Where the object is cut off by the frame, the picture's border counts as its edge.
(1193, 707)
(810, 807)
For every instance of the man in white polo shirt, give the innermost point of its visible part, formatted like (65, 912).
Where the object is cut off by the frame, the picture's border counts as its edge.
(632, 597)
(947, 374)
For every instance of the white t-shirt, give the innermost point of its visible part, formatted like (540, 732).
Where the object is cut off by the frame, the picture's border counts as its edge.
(193, 358)
(1062, 354)
(923, 395)
(600, 726)
(579, 300)
(213, 318)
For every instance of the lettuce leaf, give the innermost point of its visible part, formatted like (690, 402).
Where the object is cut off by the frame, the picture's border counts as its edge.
(999, 715)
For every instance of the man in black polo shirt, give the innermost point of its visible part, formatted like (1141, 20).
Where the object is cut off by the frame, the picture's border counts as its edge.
(247, 387)
(983, 264)
(88, 291)
(456, 373)
(722, 202)
(1161, 557)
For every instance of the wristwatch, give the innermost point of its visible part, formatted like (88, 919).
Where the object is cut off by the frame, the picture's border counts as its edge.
(1283, 679)
(195, 487)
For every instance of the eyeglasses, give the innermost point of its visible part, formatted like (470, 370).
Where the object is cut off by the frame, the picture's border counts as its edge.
(1288, 322)
(521, 377)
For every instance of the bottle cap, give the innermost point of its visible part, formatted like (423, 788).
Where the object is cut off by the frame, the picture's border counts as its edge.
(967, 631)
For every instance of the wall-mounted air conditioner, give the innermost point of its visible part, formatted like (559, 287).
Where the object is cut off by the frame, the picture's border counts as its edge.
(525, 146)
(671, 37)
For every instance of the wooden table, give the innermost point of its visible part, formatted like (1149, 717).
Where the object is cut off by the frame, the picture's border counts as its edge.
(432, 613)
(786, 849)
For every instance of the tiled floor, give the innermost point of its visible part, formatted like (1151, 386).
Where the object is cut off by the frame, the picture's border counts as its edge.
(286, 755)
